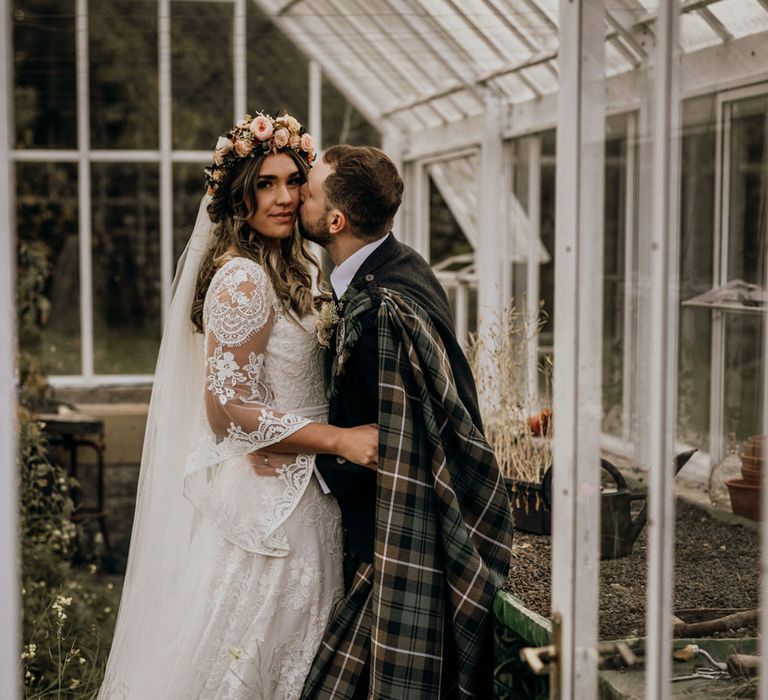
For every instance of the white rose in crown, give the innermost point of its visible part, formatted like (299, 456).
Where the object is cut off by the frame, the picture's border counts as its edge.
(223, 146)
(329, 318)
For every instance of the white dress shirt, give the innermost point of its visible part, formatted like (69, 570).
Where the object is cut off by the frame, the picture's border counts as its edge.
(344, 272)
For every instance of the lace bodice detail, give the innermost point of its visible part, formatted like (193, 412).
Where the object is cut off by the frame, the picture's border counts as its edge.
(264, 381)
(255, 350)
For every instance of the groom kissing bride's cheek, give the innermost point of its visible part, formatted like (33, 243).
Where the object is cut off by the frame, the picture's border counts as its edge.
(427, 536)
(319, 514)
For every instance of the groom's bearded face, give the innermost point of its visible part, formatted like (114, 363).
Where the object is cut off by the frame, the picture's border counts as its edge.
(317, 231)
(313, 218)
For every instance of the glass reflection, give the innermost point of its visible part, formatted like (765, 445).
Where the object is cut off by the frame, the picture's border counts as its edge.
(342, 123)
(123, 73)
(45, 109)
(747, 240)
(278, 75)
(188, 188)
(697, 221)
(614, 274)
(202, 72)
(46, 212)
(126, 268)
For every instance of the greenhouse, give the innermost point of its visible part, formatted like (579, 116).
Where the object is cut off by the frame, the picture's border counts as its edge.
(587, 180)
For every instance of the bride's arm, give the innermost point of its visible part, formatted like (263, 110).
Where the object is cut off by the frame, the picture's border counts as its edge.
(239, 401)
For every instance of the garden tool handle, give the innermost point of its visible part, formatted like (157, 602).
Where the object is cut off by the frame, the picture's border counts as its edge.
(616, 475)
(539, 658)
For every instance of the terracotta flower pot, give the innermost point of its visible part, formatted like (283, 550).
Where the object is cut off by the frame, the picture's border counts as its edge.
(745, 498)
(756, 447)
(751, 461)
(751, 475)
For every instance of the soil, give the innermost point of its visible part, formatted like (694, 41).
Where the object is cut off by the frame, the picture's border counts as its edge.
(716, 566)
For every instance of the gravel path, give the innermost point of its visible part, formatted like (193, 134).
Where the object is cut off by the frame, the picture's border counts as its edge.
(716, 566)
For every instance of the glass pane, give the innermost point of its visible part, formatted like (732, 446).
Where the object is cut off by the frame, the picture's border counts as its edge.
(45, 107)
(126, 268)
(744, 377)
(46, 210)
(747, 239)
(202, 72)
(547, 224)
(697, 219)
(747, 246)
(123, 72)
(520, 169)
(741, 17)
(446, 239)
(278, 73)
(614, 279)
(188, 188)
(342, 123)
(472, 311)
(548, 141)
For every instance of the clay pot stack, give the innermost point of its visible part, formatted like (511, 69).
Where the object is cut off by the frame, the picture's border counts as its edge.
(745, 492)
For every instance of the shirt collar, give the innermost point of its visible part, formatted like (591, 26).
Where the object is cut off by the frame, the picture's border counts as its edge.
(344, 273)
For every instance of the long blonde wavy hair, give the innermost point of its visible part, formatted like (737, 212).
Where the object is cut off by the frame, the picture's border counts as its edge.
(289, 268)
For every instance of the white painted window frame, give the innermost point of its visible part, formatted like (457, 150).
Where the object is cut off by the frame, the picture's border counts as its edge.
(164, 156)
(660, 347)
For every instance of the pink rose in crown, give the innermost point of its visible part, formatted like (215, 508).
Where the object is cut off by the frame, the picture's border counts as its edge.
(307, 144)
(261, 128)
(243, 147)
(281, 138)
(294, 141)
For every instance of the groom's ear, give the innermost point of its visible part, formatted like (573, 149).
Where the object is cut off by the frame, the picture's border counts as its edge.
(337, 221)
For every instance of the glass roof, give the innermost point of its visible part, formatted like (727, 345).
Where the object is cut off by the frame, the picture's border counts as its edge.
(424, 63)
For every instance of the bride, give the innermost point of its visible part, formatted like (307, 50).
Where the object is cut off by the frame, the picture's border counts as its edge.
(236, 550)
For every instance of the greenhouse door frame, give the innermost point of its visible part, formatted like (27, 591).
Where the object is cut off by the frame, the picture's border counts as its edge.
(578, 338)
(10, 608)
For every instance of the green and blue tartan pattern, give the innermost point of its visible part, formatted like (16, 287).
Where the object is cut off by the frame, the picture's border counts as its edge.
(443, 532)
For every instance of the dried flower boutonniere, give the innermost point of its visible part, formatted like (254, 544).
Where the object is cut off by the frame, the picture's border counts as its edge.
(329, 319)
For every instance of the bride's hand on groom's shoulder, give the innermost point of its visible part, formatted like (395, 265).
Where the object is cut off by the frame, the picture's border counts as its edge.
(360, 445)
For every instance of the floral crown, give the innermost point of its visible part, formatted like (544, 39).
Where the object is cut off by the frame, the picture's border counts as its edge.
(258, 136)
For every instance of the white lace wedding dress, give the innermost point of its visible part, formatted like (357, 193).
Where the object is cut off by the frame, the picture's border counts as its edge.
(264, 569)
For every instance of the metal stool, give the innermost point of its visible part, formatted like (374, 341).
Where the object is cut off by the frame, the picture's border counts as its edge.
(72, 431)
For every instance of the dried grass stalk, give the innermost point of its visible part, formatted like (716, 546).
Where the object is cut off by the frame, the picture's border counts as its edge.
(516, 416)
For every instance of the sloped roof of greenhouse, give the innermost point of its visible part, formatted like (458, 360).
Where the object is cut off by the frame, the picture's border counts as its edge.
(424, 63)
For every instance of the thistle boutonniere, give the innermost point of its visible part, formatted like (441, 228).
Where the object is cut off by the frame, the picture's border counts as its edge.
(330, 315)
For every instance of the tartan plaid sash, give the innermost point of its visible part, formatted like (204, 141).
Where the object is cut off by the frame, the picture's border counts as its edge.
(443, 531)
(340, 660)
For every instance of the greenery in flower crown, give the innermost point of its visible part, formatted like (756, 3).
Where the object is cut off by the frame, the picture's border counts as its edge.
(255, 136)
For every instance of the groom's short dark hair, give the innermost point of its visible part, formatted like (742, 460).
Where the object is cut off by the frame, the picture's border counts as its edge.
(366, 186)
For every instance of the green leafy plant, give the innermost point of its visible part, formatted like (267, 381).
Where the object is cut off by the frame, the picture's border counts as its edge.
(68, 613)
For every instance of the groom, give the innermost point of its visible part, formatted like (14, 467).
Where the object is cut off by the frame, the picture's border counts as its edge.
(428, 535)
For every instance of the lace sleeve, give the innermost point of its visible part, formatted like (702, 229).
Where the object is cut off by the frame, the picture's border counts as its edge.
(239, 402)
(239, 416)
